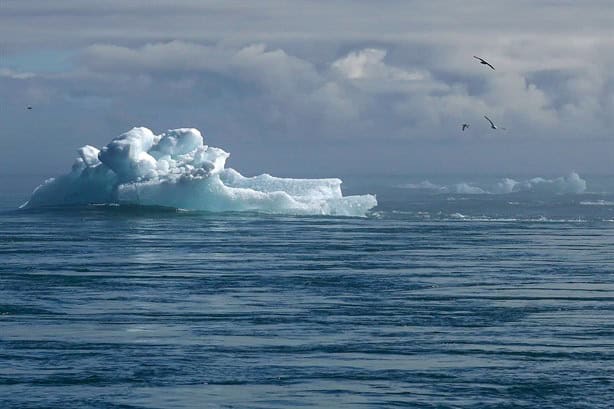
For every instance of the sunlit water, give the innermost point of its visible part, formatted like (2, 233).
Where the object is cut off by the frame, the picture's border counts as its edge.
(433, 301)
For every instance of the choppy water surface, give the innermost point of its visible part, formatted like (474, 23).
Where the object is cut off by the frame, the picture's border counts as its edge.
(434, 301)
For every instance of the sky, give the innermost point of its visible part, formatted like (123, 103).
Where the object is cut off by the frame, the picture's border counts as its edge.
(315, 88)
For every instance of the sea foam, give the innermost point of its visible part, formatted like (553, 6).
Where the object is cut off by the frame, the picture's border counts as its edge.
(176, 169)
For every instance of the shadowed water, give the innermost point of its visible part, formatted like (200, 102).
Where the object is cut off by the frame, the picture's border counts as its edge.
(433, 301)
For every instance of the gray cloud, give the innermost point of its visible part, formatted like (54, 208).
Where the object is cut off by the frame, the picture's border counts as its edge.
(285, 79)
(37, 22)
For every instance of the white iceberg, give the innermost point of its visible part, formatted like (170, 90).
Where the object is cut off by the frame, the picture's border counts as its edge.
(176, 169)
(570, 184)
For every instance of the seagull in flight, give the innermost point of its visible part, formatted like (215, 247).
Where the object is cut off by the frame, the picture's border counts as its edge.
(492, 125)
(29, 107)
(483, 61)
(465, 126)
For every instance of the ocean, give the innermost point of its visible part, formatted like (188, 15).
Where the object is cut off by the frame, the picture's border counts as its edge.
(453, 292)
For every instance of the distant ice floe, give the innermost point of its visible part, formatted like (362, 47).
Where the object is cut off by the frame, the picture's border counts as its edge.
(599, 202)
(176, 169)
(571, 183)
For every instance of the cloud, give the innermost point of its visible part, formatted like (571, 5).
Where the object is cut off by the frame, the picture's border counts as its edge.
(124, 22)
(254, 62)
(390, 76)
(350, 96)
(369, 64)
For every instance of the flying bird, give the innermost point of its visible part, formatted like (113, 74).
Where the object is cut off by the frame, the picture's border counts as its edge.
(483, 61)
(29, 107)
(492, 125)
(465, 126)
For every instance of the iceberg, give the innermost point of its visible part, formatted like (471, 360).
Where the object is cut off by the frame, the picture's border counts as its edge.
(570, 184)
(176, 169)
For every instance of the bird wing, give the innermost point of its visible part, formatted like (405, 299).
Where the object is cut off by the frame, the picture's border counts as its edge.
(483, 61)
(488, 119)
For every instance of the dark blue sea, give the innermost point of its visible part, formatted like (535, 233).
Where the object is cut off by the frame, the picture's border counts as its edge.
(443, 297)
